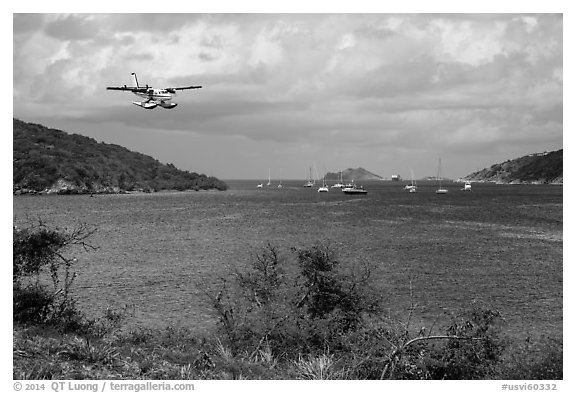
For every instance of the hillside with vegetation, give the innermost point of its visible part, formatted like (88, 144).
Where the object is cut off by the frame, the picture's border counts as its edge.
(47, 160)
(539, 168)
(356, 174)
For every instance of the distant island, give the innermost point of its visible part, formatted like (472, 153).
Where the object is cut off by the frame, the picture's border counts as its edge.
(538, 168)
(357, 174)
(47, 161)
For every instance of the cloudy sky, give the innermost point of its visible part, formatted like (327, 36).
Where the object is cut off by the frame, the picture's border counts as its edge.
(387, 92)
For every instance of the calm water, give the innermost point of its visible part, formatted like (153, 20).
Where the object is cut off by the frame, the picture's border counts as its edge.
(499, 245)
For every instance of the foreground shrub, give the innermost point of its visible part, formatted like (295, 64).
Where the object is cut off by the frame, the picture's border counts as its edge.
(533, 360)
(299, 305)
(469, 349)
(40, 257)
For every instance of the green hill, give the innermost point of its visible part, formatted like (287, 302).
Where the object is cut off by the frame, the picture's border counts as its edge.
(356, 174)
(540, 168)
(47, 160)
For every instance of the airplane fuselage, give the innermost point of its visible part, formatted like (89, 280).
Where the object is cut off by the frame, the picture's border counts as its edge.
(154, 97)
(155, 94)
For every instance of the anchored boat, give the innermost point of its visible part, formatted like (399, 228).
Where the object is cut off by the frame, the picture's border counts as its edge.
(354, 189)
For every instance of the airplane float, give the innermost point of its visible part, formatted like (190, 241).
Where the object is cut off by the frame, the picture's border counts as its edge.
(152, 97)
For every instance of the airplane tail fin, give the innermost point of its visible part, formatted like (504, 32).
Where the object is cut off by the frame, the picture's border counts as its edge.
(135, 79)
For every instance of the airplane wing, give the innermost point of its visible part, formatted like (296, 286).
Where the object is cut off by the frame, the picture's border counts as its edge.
(133, 89)
(173, 89)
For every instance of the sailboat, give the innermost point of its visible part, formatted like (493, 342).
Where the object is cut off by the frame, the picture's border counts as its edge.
(324, 187)
(339, 184)
(269, 182)
(411, 187)
(440, 190)
(309, 183)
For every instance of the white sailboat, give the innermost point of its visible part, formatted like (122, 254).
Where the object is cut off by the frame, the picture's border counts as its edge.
(440, 190)
(309, 183)
(411, 187)
(339, 184)
(269, 182)
(324, 187)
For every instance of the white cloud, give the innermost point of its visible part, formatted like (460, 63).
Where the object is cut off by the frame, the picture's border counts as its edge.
(347, 41)
(468, 42)
(265, 51)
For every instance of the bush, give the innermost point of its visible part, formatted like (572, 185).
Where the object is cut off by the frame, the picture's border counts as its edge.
(39, 256)
(473, 353)
(35, 248)
(295, 306)
(542, 359)
(32, 304)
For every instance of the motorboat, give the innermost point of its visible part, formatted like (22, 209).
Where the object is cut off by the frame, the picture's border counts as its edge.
(354, 189)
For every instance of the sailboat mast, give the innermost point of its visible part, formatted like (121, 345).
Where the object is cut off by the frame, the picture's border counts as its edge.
(438, 175)
(440, 190)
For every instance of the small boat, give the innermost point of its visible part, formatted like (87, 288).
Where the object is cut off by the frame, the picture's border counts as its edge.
(440, 190)
(260, 185)
(339, 184)
(411, 187)
(309, 183)
(467, 186)
(354, 189)
(324, 187)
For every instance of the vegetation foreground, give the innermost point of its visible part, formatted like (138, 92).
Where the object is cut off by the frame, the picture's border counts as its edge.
(300, 314)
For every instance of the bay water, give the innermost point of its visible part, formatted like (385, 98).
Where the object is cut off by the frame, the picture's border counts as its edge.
(498, 246)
